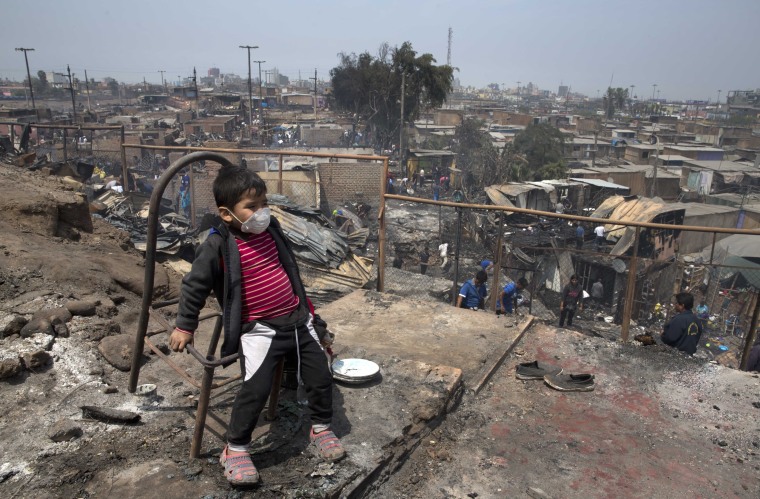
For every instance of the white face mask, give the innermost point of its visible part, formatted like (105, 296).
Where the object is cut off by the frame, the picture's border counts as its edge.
(256, 223)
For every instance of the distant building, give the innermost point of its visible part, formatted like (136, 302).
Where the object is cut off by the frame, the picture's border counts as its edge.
(562, 92)
(213, 72)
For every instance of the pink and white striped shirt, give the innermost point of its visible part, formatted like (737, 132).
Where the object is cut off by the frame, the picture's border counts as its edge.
(266, 289)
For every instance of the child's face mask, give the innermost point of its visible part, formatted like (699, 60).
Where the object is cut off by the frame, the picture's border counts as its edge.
(256, 223)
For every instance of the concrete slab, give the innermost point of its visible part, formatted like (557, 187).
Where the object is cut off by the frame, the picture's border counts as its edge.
(377, 325)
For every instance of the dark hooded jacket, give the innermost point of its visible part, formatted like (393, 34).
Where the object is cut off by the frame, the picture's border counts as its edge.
(217, 268)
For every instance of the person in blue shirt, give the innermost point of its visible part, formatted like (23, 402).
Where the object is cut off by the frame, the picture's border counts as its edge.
(579, 233)
(473, 293)
(486, 265)
(684, 329)
(508, 295)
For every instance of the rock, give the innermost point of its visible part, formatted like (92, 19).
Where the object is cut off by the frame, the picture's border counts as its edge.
(117, 350)
(61, 330)
(37, 326)
(11, 324)
(192, 471)
(108, 415)
(51, 314)
(161, 342)
(81, 307)
(24, 299)
(10, 368)
(110, 389)
(64, 430)
(35, 360)
(96, 331)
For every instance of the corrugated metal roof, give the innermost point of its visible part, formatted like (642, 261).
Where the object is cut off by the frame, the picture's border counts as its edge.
(630, 209)
(600, 183)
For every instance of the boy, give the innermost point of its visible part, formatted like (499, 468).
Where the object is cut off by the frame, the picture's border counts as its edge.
(248, 264)
(473, 293)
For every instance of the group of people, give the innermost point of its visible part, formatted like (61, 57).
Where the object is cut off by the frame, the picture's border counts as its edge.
(599, 236)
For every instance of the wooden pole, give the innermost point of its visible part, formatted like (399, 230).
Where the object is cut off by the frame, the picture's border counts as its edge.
(381, 229)
(630, 289)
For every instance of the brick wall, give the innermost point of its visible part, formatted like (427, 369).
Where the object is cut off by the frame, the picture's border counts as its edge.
(321, 136)
(343, 182)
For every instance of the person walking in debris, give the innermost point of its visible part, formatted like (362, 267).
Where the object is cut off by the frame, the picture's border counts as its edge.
(599, 241)
(486, 264)
(436, 191)
(398, 262)
(424, 259)
(684, 329)
(473, 293)
(508, 295)
(248, 263)
(443, 249)
(115, 185)
(572, 298)
(597, 291)
(580, 232)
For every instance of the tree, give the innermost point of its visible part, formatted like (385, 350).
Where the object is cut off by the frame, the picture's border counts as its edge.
(370, 87)
(40, 83)
(615, 98)
(542, 147)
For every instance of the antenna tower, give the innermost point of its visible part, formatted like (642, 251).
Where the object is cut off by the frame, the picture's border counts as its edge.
(448, 56)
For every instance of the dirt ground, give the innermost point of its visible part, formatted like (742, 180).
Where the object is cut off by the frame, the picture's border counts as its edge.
(658, 424)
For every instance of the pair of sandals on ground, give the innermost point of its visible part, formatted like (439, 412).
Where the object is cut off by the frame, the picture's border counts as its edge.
(240, 470)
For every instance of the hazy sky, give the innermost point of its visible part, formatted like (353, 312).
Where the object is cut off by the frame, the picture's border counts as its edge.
(690, 48)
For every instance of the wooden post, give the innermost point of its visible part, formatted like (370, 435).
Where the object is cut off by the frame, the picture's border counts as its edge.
(497, 266)
(630, 289)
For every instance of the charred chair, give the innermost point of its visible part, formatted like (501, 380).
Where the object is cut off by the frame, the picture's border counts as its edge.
(150, 310)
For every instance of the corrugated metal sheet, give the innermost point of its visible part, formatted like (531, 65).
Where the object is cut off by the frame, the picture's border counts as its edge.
(630, 210)
(497, 197)
(599, 183)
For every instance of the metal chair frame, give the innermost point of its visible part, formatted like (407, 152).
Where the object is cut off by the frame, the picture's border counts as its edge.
(149, 310)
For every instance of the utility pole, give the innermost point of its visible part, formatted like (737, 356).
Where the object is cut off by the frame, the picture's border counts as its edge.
(195, 82)
(261, 108)
(250, 92)
(630, 98)
(401, 128)
(28, 74)
(87, 86)
(71, 88)
(315, 95)
(163, 84)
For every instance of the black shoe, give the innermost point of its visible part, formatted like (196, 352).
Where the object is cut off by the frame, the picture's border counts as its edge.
(570, 382)
(535, 370)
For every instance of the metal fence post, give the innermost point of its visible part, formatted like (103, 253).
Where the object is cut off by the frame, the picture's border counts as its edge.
(630, 289)
(124, 169)
(750, 341)
(456, 257)
(497, 267)
(381, 230)
(279, 177)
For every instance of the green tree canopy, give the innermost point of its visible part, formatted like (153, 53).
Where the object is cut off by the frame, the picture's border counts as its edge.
(541, 145)
(370, 87)
(615, 99)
